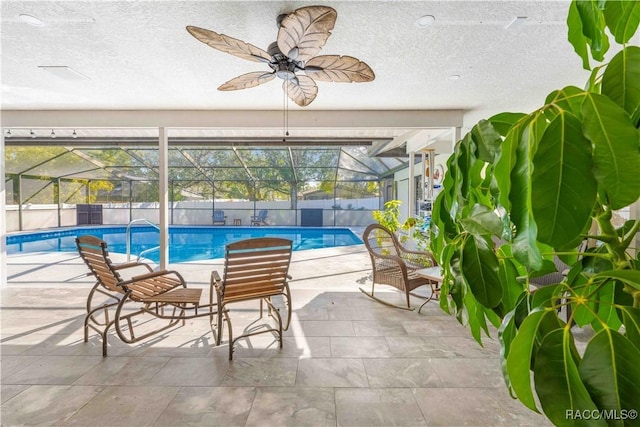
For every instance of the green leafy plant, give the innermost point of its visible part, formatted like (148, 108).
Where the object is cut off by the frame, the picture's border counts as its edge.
(523, 190)
(412, 227)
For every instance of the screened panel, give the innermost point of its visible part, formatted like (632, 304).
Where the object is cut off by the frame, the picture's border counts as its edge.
(349, 175)
(189, 173)
(110, 192)
(360, 153)
(144, 191)
(214, 157)
(11, 197)
(110, 157)
(273, 190)
(265, 157)
(227, 174)
(316, 174)
(73, 192)
(271, 174)
(235, 190)
(357, 190)
(133, 173)
(312, 157)
(148, 157)
(67, 164)
(350, 163)
(21, 159)
(97, 173)
(37, 191)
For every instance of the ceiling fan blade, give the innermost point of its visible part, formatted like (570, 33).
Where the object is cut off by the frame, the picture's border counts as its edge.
(229, 45)
(248, 80)
(336, 68)
(303, 93)
(303, 32)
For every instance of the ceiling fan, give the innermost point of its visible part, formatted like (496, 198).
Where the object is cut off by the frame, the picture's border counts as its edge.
(301, 36)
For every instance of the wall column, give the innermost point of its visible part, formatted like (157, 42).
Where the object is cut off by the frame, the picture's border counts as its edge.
(163, 195)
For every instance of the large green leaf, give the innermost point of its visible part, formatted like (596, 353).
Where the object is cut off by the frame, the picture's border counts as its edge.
(607, 313)
(621, 80)
(576, 36)
(593, 24)
(482, 220)
(504, 165)
(524, 245)
(563, 186)
(519, 358)
(558, 381)
(487, 139)
(616, 153)
(622, 18)
(479, 266)
(628, 277)
(506, 335)
(631, 318)
(611, 373)
(512, 289)
(583, 306)
(568, 99)
(502, 122)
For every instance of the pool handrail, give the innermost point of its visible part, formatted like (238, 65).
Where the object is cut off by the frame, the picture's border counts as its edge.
(128, 237)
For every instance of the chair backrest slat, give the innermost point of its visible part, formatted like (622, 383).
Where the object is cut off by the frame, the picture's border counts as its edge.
(254, 266)
(95, 254)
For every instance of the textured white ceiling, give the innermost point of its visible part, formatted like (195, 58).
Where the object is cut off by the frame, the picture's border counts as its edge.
(138, 55)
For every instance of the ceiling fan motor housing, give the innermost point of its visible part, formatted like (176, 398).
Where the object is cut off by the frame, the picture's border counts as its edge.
(284, 67)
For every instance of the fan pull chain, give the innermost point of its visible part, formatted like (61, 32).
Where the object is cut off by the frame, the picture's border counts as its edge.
(285, 112)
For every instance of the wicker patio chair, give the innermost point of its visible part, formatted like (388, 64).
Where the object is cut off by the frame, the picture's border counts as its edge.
(255, 269)
(395, 265)
(152, 293)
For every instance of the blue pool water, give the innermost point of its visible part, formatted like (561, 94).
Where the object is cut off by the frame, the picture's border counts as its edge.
(185, 243)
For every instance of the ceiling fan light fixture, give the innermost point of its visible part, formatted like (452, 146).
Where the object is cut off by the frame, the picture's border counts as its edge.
(293, 53)
(425, 21)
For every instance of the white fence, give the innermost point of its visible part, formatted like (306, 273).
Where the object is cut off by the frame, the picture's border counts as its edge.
(345, 212)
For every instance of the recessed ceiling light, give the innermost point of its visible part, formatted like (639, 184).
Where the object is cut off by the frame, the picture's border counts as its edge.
(31, 20)
(425, 21)
(516, 22)
(454, 77)
(63, 72)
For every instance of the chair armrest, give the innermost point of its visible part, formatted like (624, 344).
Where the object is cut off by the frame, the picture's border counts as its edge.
(398, 260)
(412, 255)
(151, 276)
(132, 264)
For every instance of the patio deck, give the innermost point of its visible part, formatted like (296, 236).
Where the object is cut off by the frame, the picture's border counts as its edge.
(346, 361)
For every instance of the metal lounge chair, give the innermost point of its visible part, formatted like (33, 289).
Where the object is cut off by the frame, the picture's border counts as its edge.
(255, 269)
(395, 265)
(151, 293)
(260, 219)
(219, 217)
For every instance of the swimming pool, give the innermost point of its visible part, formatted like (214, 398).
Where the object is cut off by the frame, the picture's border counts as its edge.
(185, 243)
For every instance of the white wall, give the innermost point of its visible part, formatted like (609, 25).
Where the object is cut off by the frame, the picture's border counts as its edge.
(354, 212)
